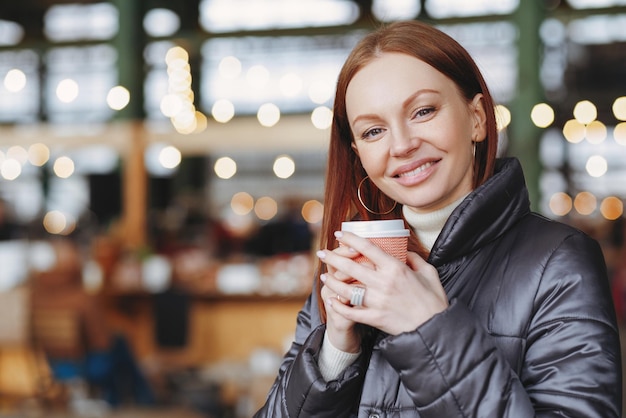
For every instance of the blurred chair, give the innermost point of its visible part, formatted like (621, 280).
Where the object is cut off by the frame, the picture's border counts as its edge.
(24, 373)
(69, 326)
(57, 333)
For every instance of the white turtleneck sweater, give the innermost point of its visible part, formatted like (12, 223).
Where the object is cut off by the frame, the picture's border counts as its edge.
(427, 227)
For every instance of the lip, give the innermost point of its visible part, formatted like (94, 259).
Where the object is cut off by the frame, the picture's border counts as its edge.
(414, 172)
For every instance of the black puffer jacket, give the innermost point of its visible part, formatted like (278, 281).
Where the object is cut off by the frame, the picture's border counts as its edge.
(530, 331)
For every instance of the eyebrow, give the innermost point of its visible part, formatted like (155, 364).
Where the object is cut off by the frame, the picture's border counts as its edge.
(405, 103)
(418, 93)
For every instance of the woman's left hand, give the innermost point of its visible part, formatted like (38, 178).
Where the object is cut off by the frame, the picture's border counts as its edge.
(398, 297)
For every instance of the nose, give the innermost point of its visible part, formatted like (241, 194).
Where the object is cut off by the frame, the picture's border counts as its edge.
(403, 141)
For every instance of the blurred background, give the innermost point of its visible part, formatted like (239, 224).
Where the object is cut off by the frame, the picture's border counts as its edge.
(162, 171)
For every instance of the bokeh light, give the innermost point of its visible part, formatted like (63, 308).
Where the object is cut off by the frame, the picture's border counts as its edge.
(258, 76)
(170, 157)
(320, 92)
(225, 167)
(574, 131)
(585, 112)
(595, 132)
(10, 169)
(242, 203)
(596, 166)
(63, 167)
(322, 117)
(15, 80)
(58, 223)
(611, 208)
(619, 108)
(619, 133)
(585, 203)
(560, 204)
(38, 154)
(118, 98)
(223, 110)
(312, 211)
(67, 90)
(503, 117)
(542, 115)
(290, 85)
(229, 67)
(268, 115)
(265, 208)
(284, 166)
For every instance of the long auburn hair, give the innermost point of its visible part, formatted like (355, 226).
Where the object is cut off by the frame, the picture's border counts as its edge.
(344, 171)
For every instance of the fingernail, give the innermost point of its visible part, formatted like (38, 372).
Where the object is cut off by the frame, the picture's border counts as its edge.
(321, 254)
(329, 302)
(323, 278)
(338, 234)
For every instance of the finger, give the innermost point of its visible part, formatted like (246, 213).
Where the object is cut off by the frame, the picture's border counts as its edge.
(329, 295)
(342, 277)
(414, 260)
(337, 289)
(429, 275)
(365, 247)
(346, 251)
(344, 267)
(418, 264)
(349, 312)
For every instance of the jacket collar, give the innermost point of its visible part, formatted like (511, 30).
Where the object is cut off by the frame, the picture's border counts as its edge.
(485, 214)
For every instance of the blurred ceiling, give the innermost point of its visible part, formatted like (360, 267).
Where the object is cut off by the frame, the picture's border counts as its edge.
(30, 13)
(596, 71)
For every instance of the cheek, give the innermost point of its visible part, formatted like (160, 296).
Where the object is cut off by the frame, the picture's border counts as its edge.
(371, 160)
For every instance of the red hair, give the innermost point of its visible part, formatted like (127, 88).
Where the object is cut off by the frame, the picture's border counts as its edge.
(344, 171)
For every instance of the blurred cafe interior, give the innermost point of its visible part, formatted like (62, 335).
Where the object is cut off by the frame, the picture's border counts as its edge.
(162, 171)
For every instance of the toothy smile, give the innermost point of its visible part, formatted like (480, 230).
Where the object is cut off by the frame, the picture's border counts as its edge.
(415, 171)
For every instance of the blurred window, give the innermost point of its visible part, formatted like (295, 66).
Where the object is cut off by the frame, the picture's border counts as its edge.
(10, 33)
(81, 22)
(284, 71)
(19, 86)
(595, 4)
(462, 8)
(390, 10)
(598, 29)
(77, 83)
(156, 81)
(244, 15)
(493, 47)
(161, 22)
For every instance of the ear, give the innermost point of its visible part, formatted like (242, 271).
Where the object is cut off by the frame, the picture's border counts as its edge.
(477, 110)
(355, 149)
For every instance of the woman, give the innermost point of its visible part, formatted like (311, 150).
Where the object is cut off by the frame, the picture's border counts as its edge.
(498, 312)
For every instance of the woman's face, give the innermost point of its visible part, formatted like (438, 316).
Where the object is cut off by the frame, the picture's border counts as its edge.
(413, 131)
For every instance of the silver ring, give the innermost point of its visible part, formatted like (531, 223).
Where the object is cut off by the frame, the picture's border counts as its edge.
(358, 293)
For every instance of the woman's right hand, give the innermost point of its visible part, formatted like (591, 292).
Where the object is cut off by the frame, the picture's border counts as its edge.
(341, 332)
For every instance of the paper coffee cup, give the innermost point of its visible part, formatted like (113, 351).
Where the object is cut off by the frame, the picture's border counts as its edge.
(390, 235)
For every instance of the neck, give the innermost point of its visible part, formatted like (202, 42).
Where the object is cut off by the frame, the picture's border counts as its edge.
(427, 226)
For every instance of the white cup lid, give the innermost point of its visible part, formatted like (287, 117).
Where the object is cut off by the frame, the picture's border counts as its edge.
(369, 229)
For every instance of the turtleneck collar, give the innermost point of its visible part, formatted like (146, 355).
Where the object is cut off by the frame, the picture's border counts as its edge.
(427, 226)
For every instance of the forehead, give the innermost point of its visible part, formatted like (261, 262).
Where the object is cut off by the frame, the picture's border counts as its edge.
(398, 68)
(395, 75)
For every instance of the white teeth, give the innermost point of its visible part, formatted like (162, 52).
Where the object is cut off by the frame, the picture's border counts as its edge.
(417, 170)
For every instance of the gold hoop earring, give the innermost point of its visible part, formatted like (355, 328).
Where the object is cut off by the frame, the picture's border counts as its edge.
(358, 193)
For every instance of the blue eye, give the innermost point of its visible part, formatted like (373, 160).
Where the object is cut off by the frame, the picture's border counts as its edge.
(369, 134)
(425, 111)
